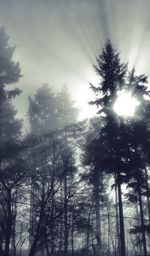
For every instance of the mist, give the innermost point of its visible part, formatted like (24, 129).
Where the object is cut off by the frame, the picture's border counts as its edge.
(57, 42)
(74, 176)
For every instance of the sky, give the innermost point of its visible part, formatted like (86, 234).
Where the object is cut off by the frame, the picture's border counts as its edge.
(57, 41)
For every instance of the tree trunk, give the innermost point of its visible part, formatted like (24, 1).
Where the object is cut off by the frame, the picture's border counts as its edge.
(97, 210)
(65, 199)
(33, 247)
(65, 218)
(32, 209)
(138, 235)
(110, 237)
(92, 236)
(117, 238)
(14, 210)
(47, 246)
(61, 226)
(142, 218)
(121, 218)
(8, 224)
(88, 231)
(72, 235)
(87, 241)
(148, 201)
(37, 235)
(52, 202)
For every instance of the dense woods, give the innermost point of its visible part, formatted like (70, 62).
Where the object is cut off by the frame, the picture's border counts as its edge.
(74, 188)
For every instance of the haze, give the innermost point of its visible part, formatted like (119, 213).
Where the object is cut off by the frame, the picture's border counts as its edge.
(57, 41)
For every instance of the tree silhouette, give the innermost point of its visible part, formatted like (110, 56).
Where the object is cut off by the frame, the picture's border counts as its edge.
(122, 145)
(138, 147)
(11, 167)
(112, 75)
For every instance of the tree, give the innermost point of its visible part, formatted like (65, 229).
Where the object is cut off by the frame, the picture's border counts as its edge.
(138, 149)
(66, 111)
(112, 75)
(47, 176)
(49, 112)
(9, 70)
(124, 144)
(91, 158)
(42, 111)
(10, 130)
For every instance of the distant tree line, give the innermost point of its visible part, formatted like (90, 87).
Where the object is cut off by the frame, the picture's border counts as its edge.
(69, 187)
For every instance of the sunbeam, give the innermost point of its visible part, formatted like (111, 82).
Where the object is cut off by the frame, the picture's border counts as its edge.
(69, 35)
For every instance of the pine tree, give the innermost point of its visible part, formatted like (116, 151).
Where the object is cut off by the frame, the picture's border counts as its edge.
(112, 75)
(138, 148)
(9, 70)
(124, 143)
(42, 111)
(10, 131)
(66, 110)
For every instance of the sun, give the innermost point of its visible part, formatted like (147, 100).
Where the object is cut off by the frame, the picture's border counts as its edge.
(125, 104)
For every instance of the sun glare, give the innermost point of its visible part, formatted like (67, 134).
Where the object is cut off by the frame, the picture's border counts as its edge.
(125, 104)
(82, 98)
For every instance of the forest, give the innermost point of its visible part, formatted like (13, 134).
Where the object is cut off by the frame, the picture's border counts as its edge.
(69, 187)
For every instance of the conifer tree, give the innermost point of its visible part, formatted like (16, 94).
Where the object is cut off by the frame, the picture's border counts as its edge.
(66, 110)
(42, 111)
(123, 143)
(112, 75)
(138, 149)
(10, 131)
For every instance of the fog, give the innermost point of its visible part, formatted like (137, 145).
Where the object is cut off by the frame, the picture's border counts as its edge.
(57, 41)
